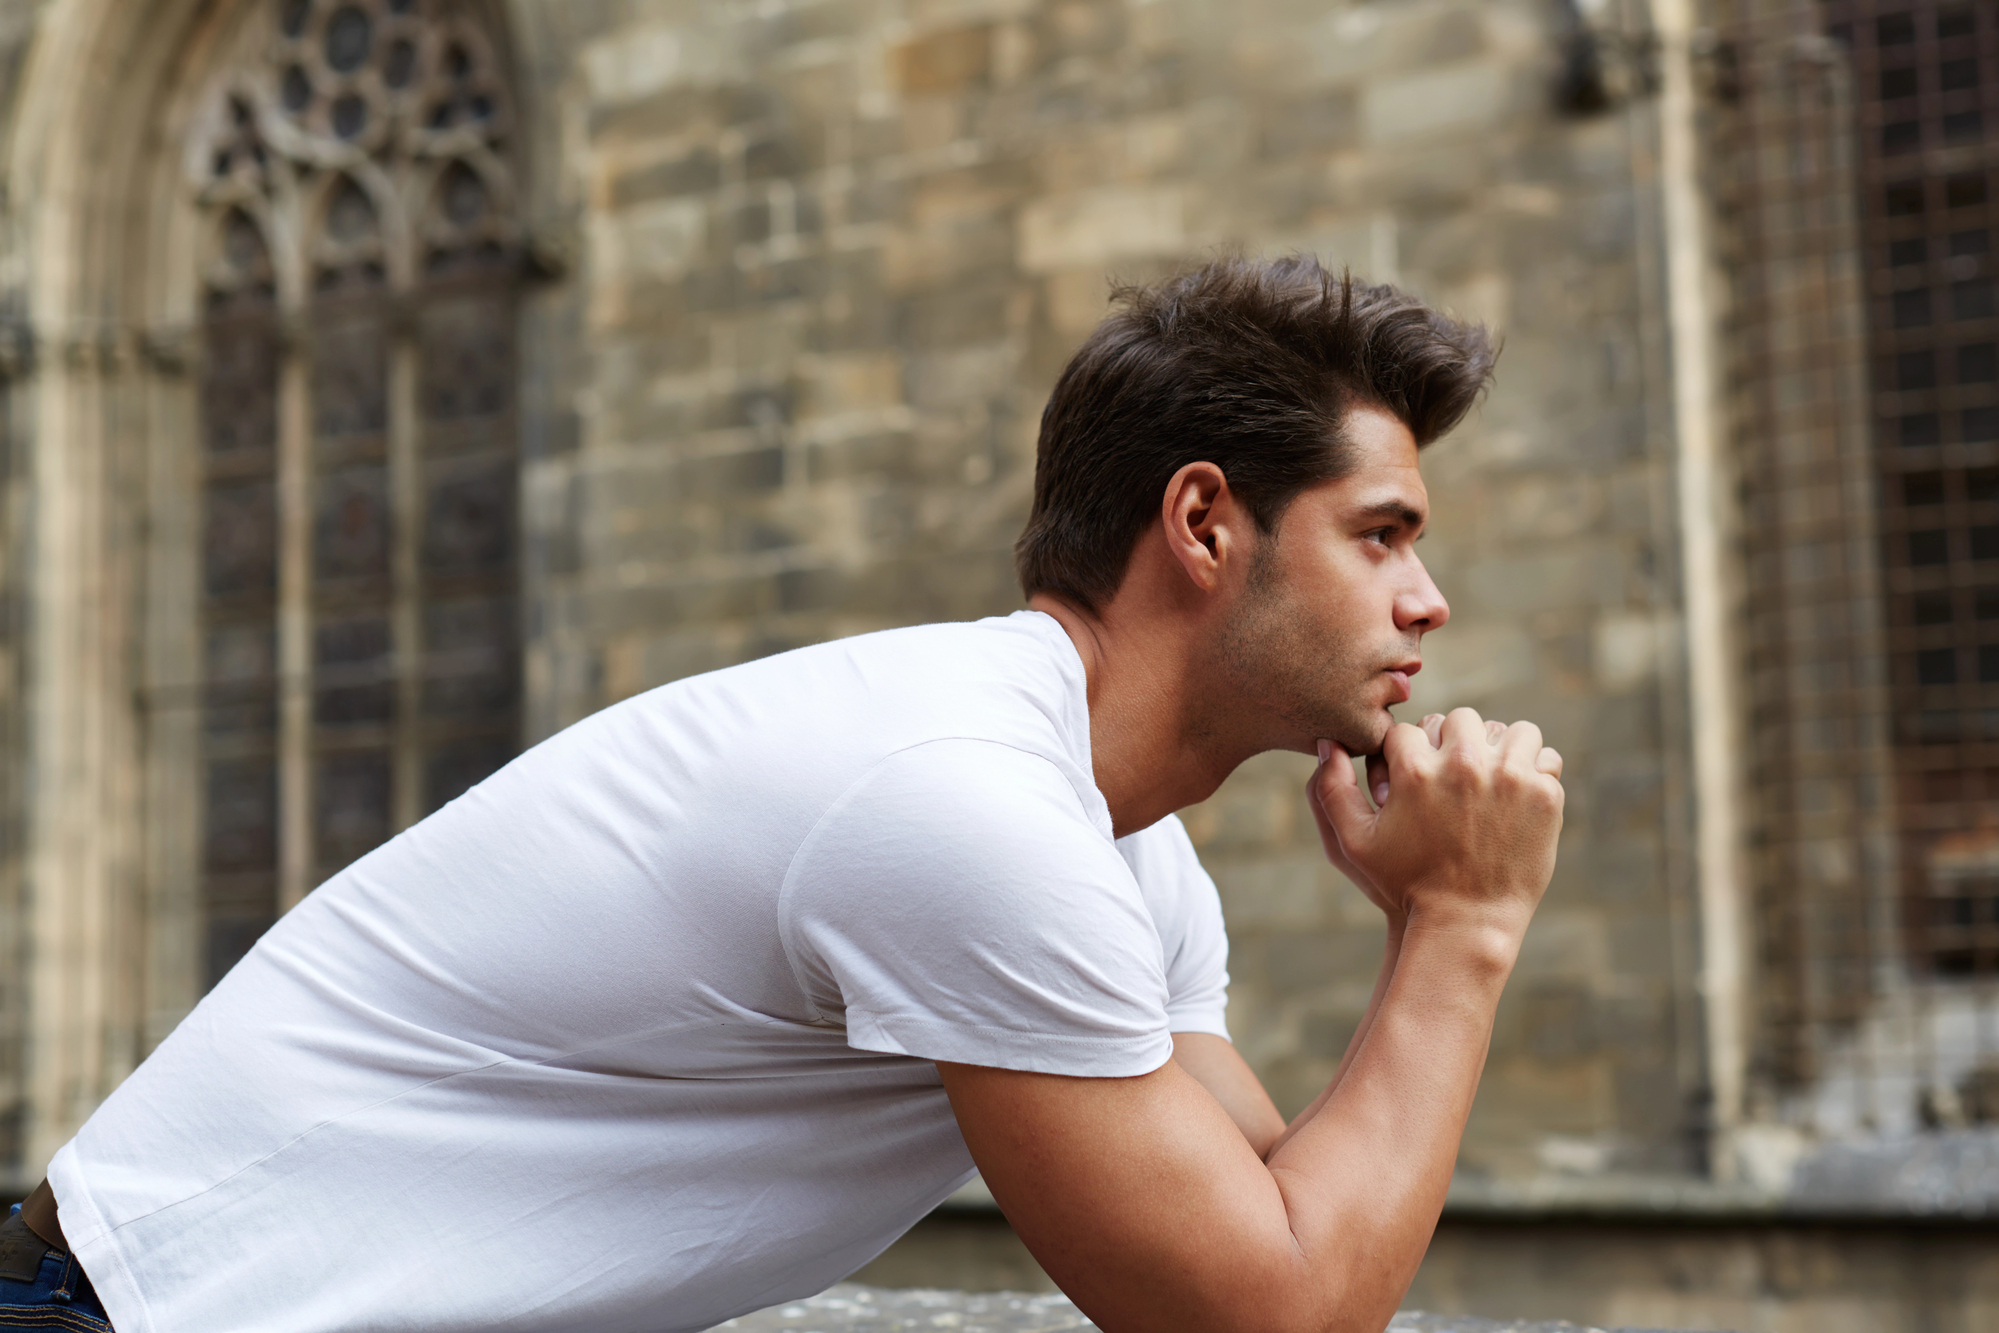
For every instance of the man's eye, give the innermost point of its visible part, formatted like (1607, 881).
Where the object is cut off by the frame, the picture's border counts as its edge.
(1381, 535)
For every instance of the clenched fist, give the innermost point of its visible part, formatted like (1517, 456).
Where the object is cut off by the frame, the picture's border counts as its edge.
(1463, 822)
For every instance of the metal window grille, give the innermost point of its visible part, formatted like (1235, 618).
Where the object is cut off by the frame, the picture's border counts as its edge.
(1872, 593)
(1927, 74)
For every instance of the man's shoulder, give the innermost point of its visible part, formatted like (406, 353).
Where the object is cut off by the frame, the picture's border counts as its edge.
(1014, 680)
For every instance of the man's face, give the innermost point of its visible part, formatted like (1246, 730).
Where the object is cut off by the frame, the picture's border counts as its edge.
(1329, 625)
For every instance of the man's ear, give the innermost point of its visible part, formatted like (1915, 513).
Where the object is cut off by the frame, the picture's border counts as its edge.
(1203, 523)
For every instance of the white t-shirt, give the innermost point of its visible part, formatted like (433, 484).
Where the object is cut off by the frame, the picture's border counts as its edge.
(637, 1034)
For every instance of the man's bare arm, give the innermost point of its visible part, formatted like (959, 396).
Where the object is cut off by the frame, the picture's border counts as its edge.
(1377, 783)
(1215, 1064)
(1148, 1203)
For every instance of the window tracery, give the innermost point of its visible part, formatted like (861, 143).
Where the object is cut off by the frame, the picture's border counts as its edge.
(358, 592)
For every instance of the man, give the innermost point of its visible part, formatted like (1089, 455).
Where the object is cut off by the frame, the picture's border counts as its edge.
(698, 1005)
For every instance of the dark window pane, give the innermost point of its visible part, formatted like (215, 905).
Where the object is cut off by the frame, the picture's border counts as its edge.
(240, 665)
(350, 797)
(1932, 608)
(1920, 430)
(1922, 488)
(242, 823)
(1986, 604)
(1964, 191)
(350, 215)
(348, 36)
(1978, 363)
(240, 540)
(462, 196)
(1988, 663)
(1960, 22)
(353, 672)
(1929, 548)
(1898, 82)
(350, 116)
(1958, 74)
(1895, 29)
(348, 643)
(1981, 424)
(1962, 126)
(1955, 962)
(470, 651)
(1911, 308)
(1936, 726)
(352, 525)
(1971, 300)
(469, 519)
(350, 380)
(1904, 199)
(1981, 484)
(239, 388)
(1985, 543)
(1915, 370)
(1970, 242)
(241, 654)
(468, 363)
(1902, 136)
(1937, 666)
(1913, 251)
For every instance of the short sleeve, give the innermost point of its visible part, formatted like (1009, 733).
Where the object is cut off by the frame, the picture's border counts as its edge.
(957, 903)
(1187, 912)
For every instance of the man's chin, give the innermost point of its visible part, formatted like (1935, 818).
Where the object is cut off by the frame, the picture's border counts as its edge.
(1364, 736)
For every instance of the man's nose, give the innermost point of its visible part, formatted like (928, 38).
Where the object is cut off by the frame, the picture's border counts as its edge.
(1422, 608)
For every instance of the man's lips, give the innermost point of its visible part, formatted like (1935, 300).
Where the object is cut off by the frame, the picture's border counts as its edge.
(1398, 678)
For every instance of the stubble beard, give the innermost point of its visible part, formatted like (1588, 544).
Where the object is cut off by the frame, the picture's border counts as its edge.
(1315, 679)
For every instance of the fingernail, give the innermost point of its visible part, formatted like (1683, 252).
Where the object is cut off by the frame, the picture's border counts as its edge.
(1381, 793)
(1325, 751)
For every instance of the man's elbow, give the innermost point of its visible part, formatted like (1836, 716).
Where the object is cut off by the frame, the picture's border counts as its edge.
(1289, 1293)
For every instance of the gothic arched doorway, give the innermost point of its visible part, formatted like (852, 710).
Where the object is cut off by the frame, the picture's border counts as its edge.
(259, 272)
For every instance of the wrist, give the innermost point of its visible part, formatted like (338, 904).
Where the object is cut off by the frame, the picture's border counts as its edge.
(1484, 938)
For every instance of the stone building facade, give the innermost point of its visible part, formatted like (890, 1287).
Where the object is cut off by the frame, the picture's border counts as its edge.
(388, 385)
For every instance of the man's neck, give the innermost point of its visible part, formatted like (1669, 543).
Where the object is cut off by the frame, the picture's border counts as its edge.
(1157, 739)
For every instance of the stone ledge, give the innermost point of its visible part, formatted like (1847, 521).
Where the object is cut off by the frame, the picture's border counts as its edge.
(849, 1308)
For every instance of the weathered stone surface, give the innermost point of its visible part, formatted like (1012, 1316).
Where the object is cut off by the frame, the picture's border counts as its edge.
(857, 1309)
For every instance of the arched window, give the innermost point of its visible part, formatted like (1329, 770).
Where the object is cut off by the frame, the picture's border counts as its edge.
(358, 585)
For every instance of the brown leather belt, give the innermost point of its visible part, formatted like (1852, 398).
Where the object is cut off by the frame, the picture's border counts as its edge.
(38, 1210)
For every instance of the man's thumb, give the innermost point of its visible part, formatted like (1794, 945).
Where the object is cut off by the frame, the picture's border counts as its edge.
(1339, 797)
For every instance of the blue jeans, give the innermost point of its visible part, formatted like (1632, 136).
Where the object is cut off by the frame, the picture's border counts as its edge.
(58, 1299)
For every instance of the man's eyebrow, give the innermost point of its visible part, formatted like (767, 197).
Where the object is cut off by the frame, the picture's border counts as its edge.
(1399, 510)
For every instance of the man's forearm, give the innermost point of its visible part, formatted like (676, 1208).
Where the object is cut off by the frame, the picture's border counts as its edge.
(1364, 1175)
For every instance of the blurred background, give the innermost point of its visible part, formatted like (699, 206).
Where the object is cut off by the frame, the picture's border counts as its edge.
(386, 384)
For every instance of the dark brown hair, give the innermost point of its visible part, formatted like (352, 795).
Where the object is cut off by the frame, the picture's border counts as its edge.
(1249, 365)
